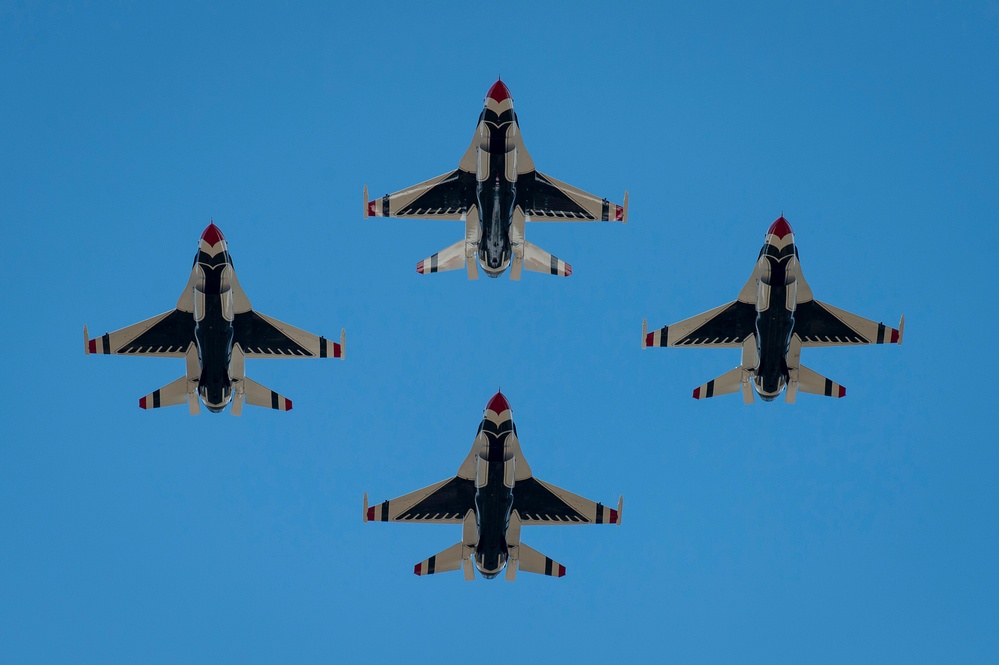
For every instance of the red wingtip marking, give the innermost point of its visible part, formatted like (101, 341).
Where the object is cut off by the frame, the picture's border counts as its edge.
(337, 350)
(650, 339)
(93, 345)
(894, 339)
(842, 391)
(371, 514)
(498, 403)
(212, 235)
(697, 393)
(287, 403)
(568, 270)
(498, 92)
(561, 571)
(419, 267)
(619, 214)
(613, 519)
(417, 568)
(142, 402)
(371, 209)
(780, 228)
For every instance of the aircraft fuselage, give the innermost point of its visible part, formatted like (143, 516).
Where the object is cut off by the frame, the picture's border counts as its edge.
(213, 329)
(493, 497)
(496, 189)
(775, 305)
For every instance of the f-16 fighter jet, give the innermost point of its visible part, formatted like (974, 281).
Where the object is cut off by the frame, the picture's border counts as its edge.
(494, 191)
(215, 329)
(493, 495)
(774, 316)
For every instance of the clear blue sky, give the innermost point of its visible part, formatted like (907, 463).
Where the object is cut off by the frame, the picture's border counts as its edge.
(861, 530)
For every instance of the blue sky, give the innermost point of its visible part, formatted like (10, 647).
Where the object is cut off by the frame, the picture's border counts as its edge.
(860, 530)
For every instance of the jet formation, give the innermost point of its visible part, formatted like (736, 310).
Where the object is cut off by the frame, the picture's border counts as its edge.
(495, 190)
(773, 318)
(492, 497)
(214, 328)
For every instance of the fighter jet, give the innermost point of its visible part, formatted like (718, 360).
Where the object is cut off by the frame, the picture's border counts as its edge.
(774, 316)
(494, 191)
(493, 495)
(215, 329)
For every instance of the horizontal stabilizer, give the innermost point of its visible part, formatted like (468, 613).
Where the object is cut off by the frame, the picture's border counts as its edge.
(449, 258)
(812, 382)
(538, 260)
(258, 395)
(727, 383)
(533, 561)
(172, 394)
(444, 562)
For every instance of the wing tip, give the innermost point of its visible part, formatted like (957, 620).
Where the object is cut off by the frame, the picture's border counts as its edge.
(645, 333)
(365, 200)
(364, 515)
(624, 216)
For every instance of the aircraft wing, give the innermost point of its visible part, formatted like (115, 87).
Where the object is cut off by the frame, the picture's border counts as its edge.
(166, 336)
(261, 336)
(446, 502)
(545, 199)
(445, 197)
(819, 324)
(725, 326)
(538, 502)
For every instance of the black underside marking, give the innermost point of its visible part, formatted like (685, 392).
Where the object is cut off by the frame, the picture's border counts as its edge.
(255, 335)
(453, 195)
(881, 333)
(554, 266)
(548, 566)
(156, 399)
(730, 326)
(433, 263)
(600, 513)
(431, 564)
(322, 347)
(385, 514)
(605, 210)
(106, 342)
(709, 391)
(536, 195)
(274, 400)
(535, 502)
(452, 501)
(828, 389)
(814, 323)
(174, 332)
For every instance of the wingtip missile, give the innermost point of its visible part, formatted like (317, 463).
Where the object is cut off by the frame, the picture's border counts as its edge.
(620, 509)
(645, 332)
(343, 342)
(625, 216)
(86, 341)
(901, 329)
(365, 516)
(365, 200)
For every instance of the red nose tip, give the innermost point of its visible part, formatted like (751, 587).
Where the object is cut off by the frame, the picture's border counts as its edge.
(498, 92)
(498, 403)
(212, 235)
(780, 228)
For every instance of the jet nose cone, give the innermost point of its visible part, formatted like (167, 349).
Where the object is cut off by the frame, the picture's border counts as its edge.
(498, 404)
(212, 235)
(780, 228)
(498, 92)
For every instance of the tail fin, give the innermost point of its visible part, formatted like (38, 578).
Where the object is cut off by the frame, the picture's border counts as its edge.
(456, 557)
(533, 561)
(449, 258)
(809, 381)
(727, 383)
(174, 393)
(257, 395)
(538, 260)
